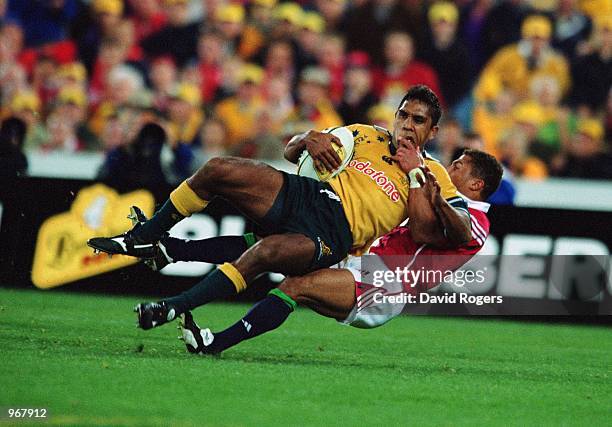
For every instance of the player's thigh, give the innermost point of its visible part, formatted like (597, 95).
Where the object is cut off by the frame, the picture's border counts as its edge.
(249, 185)
(330, 291)
(289, 254)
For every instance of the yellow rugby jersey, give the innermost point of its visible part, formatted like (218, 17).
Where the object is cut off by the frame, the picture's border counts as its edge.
(374, 190)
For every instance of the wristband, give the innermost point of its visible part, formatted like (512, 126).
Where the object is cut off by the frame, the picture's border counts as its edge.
(412, 175)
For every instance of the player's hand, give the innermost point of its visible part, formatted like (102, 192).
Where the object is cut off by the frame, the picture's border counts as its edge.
(432, 187)
(319, 146)
(408, 156)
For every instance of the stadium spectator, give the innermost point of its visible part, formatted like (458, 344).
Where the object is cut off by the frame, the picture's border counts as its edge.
(333, 12)
(185, 115)
(210, 64)
(449, 141)
(137, 164)
(514, 155)
(402, 70)
(514, 66)
(93, 25)
(258, 28)
(214, 134)
(239, 112)
(529, 117)
(13, 162)
(592, 73)
(71, 74)
(585, 156)
(26, 106)
(447, 55)
(111, 55)
(13, 77)
(558, 123)
(571, 29)
(358, 95)
(502, 25)
(44, 22)
(309, 38)
(43, 78)
(278, 102)
(280, 61)
(229, 21)
(492, 118)
(381, 115)
(61, 135)
(125, 33)
(368, 23)
(163, 79)
(71, 106)
(147, 18)
(179, 38)
(113, 134)
(330, 56)
(472, 23)
(314, 109)
(265, 143)
(287, 17)
(123, 85)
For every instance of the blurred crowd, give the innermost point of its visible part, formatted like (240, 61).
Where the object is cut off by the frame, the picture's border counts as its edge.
(160, 86)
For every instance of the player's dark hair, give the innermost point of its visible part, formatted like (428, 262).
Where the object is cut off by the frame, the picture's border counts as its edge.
(425, 95)
(487, 168)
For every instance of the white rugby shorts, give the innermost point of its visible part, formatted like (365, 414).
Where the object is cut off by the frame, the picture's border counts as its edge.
(367, 313)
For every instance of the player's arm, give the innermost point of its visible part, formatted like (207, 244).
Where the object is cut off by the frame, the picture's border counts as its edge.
(424, 224)
(319, 145)
(433, 220)
(455, 222)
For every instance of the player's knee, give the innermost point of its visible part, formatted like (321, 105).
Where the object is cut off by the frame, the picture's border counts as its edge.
(295, 288)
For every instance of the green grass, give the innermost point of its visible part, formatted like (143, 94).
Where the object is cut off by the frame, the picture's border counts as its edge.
(82, 357)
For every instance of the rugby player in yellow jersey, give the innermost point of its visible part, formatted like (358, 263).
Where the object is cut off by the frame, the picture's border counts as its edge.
(312, 224)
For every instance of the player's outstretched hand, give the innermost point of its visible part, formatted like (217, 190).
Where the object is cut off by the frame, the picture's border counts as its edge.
(319, 146)
(408, 156)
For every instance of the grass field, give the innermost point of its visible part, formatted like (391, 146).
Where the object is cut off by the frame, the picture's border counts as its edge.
(82, 357)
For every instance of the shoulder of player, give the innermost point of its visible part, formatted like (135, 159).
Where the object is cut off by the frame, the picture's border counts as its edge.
(372, 132)
(435, 167)
(479, 225)
(430, 159)
(479, 218)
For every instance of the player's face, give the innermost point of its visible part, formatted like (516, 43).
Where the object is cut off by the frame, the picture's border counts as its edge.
(413, 123)
(460, 172)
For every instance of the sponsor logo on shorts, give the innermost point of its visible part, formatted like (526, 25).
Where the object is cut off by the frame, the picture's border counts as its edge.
(330, 194)
(324, 250)
(379, 177)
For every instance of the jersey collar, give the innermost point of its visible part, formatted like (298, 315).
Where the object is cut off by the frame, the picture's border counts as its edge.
(475, 204)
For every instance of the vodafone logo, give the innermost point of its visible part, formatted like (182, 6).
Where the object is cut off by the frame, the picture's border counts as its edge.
(378, 177)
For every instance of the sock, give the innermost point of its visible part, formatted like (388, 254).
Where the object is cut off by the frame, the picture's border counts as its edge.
(216, 250)
(266, 315)
(182, 203)
(225, 281)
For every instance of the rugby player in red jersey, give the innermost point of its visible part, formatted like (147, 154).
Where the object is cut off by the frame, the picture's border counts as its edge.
(346, 293)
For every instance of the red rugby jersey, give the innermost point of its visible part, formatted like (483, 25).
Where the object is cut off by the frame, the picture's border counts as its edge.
(398, 250)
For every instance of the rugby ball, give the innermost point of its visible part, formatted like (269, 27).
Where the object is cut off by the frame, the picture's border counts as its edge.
(306, 165)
